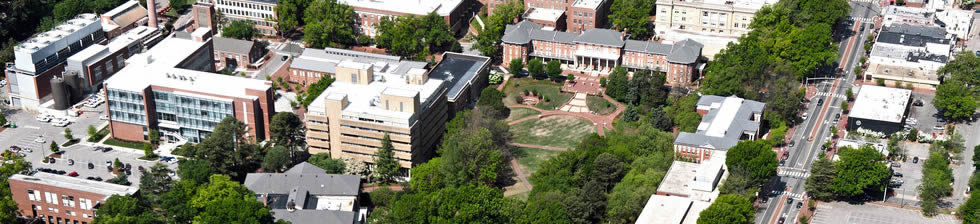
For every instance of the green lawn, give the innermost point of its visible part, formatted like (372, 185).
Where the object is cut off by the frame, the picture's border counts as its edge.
(531, 158)
(123, 143)
(518, 113)
(557, 131)
(599, 105)
(546, 88)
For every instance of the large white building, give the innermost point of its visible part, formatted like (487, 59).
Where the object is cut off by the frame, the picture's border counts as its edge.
(261, 12)
(714, 22)
(909, 54)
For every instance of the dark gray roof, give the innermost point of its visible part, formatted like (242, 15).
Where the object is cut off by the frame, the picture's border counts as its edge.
(304, 178)
(648, 47)
(740, 124)
(458, 69)
(686, 51)
(603, 37)
(315, 216)
(519, 33)
(236, 46)
(553, 36)
(914, 36)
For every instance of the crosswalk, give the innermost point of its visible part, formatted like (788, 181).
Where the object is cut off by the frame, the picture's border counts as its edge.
(796, 196)
(864, 0)
(862, 19)
(835, 95)
(793, 173)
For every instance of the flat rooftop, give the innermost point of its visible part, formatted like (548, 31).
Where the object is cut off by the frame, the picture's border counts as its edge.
(678, 178)
(722, 127)
(749, 4)
(75, 183)
(99, 51)
(903, 73)
(157, 67)
(662, 209)
(414, 7)
(588, 4)
(544, 14)
(881, 103)
(459, 70)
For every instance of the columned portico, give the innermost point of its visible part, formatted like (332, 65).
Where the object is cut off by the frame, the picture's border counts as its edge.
(595, 63)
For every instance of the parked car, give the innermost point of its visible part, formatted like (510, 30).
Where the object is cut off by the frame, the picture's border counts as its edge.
(108, 163)
(918, 103)
(43, 117)
(939, 127)
(897, 174)
(71, 162)
(782, 220)
(104, 117)
(792, 143)
(820, 102)
(804, 116)
(91, 166)
(799, 204)
(61, 123)
(897, 164)
(128, 172)
(915, 159)
(73, 174)
(129, 167)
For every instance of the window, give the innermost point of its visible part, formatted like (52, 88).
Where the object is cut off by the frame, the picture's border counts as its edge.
(32, 195)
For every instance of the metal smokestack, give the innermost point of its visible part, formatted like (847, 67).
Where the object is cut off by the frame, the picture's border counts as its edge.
(151, 8)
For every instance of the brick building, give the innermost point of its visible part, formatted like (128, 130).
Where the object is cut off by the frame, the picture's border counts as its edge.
(260, 12)
(602, 50)
(370, 13)
(53, 198)
(234, 53)
(171, 88)
(725, 121)
(98, 62)
(124, 17)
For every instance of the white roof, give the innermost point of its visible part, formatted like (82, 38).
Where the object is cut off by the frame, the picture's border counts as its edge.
(707, 174)
(414, 7)
(726, 114)
(749, 4)
(114, 45)
(365, 99)
(545, 14)
(75, 183)
(589, 4)
(881, 103)
(157, 67)
(665, 210)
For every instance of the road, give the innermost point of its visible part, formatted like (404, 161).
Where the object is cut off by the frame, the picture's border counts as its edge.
(814, 131)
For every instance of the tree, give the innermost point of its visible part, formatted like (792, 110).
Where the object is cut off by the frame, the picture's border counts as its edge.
(383, 196)
(554, 69)
(148, 151)
(571, 77)
(627, 198)
(535, 67)
(286, 130)
(850, 94)
(13, 164)
(465, 204)
(328, 24)
(822, 176)
(516, 66)
(276, 160)
(155, 182)
(120, 209)
(728, 209)
(970, 210)
(488, 40)
(154, 136)
(225, 201)
(194, 169)
(314, 90)
(616, 86)
(631, 114)
(937, 179)
(120, 179)
(427, 177)
(240, 29)
(472, 157)
(859, 171)
(227, 150)
(92, 132)
(54, 146)
(955, 99)
(756, 157)
(660, 120)
(608, 170)
(415, 36)
(632, 17)
(288, 13)
(385, 165)
(492, 100)
(68, 135)
(323, 160)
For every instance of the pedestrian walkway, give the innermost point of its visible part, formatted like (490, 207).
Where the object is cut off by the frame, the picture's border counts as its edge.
(795, 196)
(835, 95)
(793, 173)
(577, 104)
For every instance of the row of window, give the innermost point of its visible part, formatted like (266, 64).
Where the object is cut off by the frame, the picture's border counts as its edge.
(65, 200)
(369, 154)
(245, 5)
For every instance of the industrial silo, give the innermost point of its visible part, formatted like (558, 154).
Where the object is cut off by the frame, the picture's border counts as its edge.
(75, 86)
(60, 93)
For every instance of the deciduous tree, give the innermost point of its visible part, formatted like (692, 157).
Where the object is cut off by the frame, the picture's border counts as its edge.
(323, 160)
(516, 66)
(286, 130)
(632, 17)
(240, 29)
(328, 24)
(276, 159)
(728, 209)
(860, 171)
(553, 69)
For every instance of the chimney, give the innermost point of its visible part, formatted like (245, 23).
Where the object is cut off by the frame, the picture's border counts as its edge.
(151, 13)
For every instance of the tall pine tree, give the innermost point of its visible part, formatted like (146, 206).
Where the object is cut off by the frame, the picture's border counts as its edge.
(385, 166)
(823, 173)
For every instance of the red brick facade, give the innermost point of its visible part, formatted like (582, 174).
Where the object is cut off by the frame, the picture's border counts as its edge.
(305, 77)
(53, 204)
(697, 154)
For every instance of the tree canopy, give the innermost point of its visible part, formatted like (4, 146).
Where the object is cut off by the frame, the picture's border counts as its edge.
(328, 24)
(822, 176)
(286, 129)
(860, 171)
(227, 149)
(323, 160)
(288, 14)
(13, 164)
(488, 42)
(240, 29)
(416, 36)
(728, 209)
(956, 96)
(632, 17)
(385, 165)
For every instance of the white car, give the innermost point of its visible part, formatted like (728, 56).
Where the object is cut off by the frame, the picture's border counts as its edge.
(104, 117)
(61, 122)
(43, 117)
(39, 140)
(804, 116)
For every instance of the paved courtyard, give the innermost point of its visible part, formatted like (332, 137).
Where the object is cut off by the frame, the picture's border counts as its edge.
(844, 213)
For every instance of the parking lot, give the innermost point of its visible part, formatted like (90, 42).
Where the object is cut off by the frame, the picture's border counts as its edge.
(906, 194)
(842, 212)
(925, 116)
(29, 130)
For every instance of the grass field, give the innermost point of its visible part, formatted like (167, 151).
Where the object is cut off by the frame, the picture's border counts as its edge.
(599, 105)
(557, 131)
(518, 113)
(531, 158)
(123, 143)
(548, 89)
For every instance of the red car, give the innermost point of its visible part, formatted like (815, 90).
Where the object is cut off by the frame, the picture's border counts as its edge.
(73, 174)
